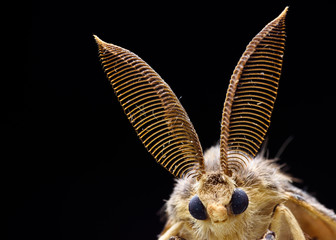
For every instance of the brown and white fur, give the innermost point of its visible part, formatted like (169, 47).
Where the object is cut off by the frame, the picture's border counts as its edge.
(272, 207)
(264, 184)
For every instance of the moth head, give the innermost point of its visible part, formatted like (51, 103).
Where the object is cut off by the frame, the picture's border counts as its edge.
(166, 131)
(217, 199)
(209, 196)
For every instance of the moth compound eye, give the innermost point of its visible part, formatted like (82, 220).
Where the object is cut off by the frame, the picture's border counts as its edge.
(239, 201)
(197, 209)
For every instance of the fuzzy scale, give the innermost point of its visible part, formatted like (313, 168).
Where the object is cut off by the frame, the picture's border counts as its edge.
(168, 134)
(262, 180)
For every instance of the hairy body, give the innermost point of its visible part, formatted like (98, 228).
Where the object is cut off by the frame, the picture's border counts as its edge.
(229, 192)
(270, 192)
(261, 180)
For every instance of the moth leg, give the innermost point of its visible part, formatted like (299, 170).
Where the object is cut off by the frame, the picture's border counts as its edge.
(269, 235)
(172, 232)
(176, 238)
(284, 225)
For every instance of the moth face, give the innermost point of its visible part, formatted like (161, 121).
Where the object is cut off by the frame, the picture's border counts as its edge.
(217, 199)
(206, 196)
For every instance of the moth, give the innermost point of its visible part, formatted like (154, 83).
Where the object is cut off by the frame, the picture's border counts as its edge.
(229, 191)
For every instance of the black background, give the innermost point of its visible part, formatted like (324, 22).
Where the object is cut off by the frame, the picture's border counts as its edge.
(73, 166)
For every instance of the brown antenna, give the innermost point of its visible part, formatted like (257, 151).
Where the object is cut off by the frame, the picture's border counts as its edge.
(156, 114)
(251, 95)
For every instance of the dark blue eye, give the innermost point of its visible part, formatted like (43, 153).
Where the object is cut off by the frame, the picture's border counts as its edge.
(239, 201)
(197, 209)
